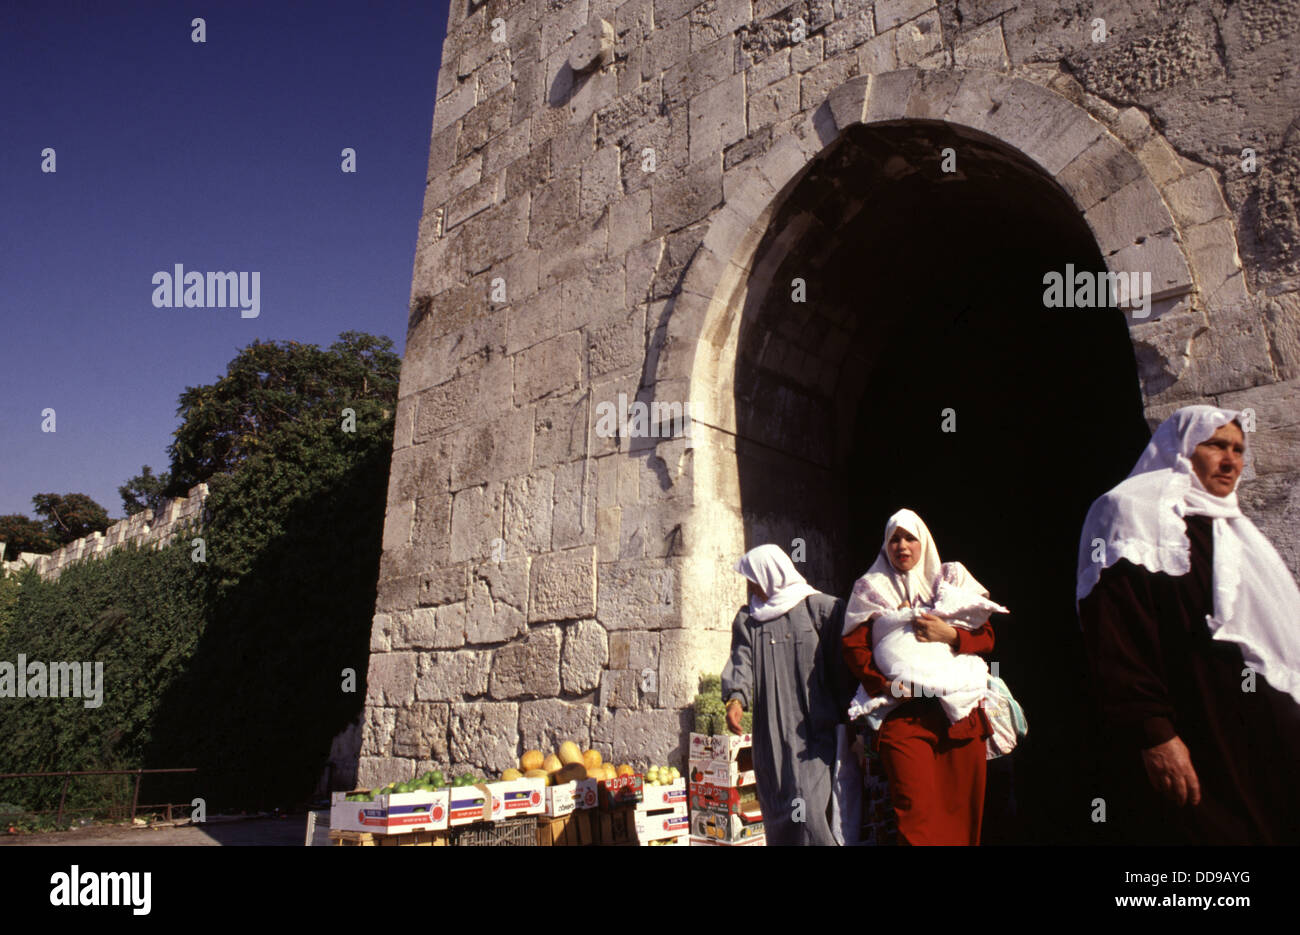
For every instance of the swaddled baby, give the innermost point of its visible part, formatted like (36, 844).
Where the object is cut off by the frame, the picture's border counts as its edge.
(931, 669)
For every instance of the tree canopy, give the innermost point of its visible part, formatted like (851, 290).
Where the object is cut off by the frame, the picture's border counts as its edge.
(70, 516)
(23, 534)
(145, 491)
(270, 385)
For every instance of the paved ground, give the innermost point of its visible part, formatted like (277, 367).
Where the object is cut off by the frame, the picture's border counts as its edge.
(288, 831)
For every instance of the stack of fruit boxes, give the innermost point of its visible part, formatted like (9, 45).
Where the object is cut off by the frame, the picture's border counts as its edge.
(723, 791)
(663, 817)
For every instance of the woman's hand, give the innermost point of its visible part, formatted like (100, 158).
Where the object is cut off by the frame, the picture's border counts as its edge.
(1169, 767)
(932, 629)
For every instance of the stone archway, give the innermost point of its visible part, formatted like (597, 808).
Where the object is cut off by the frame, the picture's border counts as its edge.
(1111, 190)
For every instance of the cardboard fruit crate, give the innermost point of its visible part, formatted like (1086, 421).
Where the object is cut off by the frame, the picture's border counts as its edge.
(371, 839)
(579, 828)
(396, 813)
(509, 832)
(662, 823)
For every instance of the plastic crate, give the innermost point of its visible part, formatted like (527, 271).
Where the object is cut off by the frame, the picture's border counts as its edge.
(513, 832)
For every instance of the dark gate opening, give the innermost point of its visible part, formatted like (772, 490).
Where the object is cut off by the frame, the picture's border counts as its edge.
(925, 311)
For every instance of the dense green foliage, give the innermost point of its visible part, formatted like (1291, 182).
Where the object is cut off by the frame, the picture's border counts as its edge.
(23, 534)
(235, 664)
(70, 516)
(271, 385)
(145, 491)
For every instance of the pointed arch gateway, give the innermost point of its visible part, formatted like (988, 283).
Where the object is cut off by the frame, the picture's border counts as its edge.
(812, 421)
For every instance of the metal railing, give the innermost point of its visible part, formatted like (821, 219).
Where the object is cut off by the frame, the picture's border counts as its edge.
(135, 795)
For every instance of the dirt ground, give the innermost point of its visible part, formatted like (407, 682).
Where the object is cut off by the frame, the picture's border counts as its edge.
(265, 832)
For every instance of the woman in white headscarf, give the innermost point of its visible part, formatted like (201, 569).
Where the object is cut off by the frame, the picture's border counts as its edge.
(931, 746)
(1192, 624)
(785, 666)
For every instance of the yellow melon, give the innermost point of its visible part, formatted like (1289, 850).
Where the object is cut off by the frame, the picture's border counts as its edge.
(552, 763)
(570, 772)
(591, 759)
(511, 775)
(569, 753)
(531, 760)
(626, 770)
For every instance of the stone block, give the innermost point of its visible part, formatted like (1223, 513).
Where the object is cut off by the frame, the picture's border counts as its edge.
(774, 103)
(638, 595)
(1129, 215)
(716, 117)
(560, 431)
(528, 509)
(676, 203)
(485, 734)
(452, 676)
(643, 736)
(377, 729)
(551, 368)
(712, 20)
(443, 584)
(493, 450)
(545, 724)
(1099, 171)
(375, 771)
(390, 680)
(528, 667)
(1213, 250)
(629, 222)
(982, 47)
(917, 39)
(1196, 198)
(476, 514)
(421, 731)
(601, 180)
(584, 656)
(817, 83)
(619, 688)
(432, 628)
(397, 525)
(498, 599)
(848, 102)
(563, 586)
(637, 650)
(574, 520)
(1282, 325)
(555, 206)
(616, 342)
(703, 69)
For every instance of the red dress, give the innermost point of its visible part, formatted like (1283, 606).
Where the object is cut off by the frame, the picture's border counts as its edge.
(936, 770)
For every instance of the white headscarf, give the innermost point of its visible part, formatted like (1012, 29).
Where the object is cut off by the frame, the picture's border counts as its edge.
(771, 569)
(884, 587)
(1256, 601)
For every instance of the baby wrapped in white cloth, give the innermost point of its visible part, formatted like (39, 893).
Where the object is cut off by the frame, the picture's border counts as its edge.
(892, 599)
(932, 669)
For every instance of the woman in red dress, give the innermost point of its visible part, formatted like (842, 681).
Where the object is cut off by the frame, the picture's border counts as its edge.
(936, 768)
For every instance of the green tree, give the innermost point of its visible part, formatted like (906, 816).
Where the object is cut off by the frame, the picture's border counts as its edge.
(70, 516)
(271, 385)
(145, 491)
(24, 534)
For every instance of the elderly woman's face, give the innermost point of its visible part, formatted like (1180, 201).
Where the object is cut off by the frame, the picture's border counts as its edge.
(904, 550)
(1219, 460)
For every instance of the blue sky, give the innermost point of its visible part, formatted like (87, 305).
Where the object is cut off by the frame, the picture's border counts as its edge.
(219, 156)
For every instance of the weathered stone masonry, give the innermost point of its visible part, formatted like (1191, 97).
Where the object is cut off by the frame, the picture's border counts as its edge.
(540, 582)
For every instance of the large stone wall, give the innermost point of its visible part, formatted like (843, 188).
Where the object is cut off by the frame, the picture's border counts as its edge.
(143, 529)
(541, 581)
